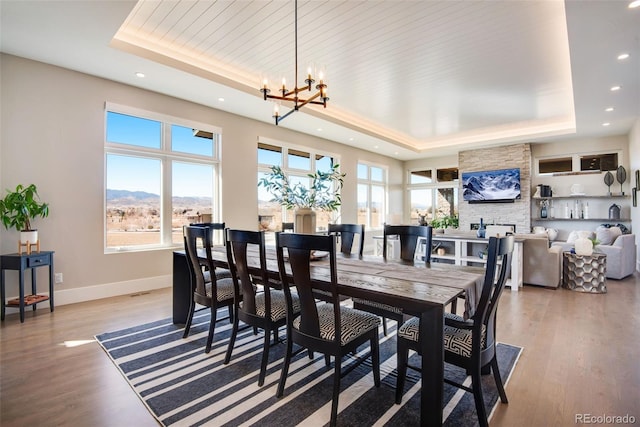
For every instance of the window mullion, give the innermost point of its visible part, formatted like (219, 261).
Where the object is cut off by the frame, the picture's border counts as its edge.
(166, 200)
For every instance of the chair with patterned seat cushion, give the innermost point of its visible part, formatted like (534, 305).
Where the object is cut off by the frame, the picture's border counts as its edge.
(327, 328)
(216, 235)
(470, 344)
(408, 236)
(208, 290)
(266, 309)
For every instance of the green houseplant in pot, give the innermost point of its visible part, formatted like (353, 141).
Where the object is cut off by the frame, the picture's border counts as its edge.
(448, 221)
(19, 208)
(323, 194)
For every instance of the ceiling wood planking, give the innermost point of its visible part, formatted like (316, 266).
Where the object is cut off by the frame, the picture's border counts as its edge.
(194, 17)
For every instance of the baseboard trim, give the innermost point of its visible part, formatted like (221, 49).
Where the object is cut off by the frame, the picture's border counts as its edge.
(105, 290)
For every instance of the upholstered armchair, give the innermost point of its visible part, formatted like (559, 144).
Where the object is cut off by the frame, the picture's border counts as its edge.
(621, 256)
(541, 264)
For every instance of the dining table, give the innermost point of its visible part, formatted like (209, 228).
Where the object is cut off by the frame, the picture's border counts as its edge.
(419, 288)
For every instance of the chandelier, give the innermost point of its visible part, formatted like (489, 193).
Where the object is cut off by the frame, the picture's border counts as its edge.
(293, 95)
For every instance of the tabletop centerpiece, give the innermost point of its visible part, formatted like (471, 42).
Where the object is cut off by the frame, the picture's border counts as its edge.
(323, 194)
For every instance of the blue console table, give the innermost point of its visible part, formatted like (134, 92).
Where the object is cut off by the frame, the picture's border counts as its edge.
(22, 262)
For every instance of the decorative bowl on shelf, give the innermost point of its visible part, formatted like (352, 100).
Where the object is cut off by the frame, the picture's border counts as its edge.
(577, 190)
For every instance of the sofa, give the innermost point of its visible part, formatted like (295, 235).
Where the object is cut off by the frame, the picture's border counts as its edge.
(541, 264)
(619, 248)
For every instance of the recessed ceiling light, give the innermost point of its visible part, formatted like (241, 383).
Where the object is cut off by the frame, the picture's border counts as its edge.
(221, 99)
(350, 139)
(634, 4)
(319, 129)
(608, 109)
(375, 146)
(395, 152)
(623, 56)
(606, 124)
(139, 74)
(615, 88)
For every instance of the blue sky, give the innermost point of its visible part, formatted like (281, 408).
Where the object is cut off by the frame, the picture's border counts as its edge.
(144, 174)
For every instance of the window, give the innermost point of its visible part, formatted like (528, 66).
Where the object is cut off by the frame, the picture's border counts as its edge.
(372, 195)
(420, 177)
(150, 158)
(586, 163)
(555, 165)
(599, 162)
(447, 175)
(433, 198)
(296, 163)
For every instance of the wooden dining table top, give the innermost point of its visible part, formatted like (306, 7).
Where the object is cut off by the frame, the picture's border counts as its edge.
(407, 285)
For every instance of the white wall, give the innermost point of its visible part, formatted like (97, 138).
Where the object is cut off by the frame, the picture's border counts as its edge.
(52, 134)
(593, 184)
(634, 165)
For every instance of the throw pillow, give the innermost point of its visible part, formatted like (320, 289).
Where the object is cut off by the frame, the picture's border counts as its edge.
(575, 235)
(603, 235)
(622, 227)
(606, 236)
(615, 232)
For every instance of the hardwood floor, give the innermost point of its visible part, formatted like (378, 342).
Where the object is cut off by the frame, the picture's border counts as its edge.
(580, 356)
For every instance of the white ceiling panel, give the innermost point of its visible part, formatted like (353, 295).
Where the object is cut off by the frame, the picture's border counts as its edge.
(412, 78)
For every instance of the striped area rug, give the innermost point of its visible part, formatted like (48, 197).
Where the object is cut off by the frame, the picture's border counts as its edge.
(183, 386)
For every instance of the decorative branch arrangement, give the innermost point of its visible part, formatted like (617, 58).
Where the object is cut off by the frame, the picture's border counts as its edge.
(324, 192)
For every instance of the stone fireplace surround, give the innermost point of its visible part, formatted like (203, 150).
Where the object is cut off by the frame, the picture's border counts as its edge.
(505, 157)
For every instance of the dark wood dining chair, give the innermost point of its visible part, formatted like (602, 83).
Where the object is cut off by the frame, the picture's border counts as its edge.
(287, 226)
(265, 310)
(408, 236)
(327, 328)
(470, 344)
(347, 233)
(215, 228)
(208, 290)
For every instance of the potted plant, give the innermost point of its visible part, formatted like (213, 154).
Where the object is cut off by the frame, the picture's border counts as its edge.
(445, 222)
(323, 193)
(19, 207)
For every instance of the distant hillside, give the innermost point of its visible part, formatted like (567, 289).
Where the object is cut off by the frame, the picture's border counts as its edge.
(129, 195)
(132, 198)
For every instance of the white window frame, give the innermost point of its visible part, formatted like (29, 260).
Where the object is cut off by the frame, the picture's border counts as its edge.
(166, 157)
(370, 183)
(285, 146)
(433, 186)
